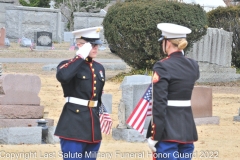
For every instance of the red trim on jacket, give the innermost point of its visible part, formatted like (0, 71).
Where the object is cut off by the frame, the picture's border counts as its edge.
(70, 61)
(174, 52)
(169, 56)
(154, 130)
(93, 78)
(92, 124)
(165, 59)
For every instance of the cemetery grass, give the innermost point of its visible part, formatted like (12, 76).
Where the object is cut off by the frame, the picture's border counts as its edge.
(215, 141)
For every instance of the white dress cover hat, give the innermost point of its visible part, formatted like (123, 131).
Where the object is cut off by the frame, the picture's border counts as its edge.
(172, 31)
(91, 35)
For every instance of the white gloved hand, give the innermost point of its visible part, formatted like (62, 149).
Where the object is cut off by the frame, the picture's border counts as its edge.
(151, 144)
(84, 50)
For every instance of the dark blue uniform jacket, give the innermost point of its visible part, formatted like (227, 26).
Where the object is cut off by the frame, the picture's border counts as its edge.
(177, 76)
(82, 79)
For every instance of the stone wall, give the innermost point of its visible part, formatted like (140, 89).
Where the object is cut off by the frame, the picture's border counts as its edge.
(24, 21)
(3, 4)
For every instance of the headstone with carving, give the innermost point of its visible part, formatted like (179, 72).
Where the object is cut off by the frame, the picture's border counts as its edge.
(43, 40)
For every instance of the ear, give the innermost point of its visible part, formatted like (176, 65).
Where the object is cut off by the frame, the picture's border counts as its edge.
(168, 44)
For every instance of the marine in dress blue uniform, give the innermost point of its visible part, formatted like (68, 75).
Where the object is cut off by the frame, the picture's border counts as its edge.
(172, 130)
(82, 80)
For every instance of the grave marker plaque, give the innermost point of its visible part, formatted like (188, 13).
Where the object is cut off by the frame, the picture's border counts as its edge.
(43, 40)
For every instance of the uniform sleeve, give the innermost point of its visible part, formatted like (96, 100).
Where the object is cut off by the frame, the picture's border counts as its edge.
(196, 67)
(67, 69)
(160, 96)
(198, 74)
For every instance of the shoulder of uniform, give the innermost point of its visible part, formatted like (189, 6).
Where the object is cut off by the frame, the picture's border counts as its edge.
(164, 59)
(191, 59)
(65, 63)
(99, 64)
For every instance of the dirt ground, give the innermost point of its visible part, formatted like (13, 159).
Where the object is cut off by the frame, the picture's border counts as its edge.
(215, 141)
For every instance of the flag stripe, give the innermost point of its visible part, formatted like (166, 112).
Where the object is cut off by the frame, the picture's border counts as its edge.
(141, 117)
(143, 109)
(105, 120)
(141, 124)
(136, 111)
(139, 110)
(149, 111)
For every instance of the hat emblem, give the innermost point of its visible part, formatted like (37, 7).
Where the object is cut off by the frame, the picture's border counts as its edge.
(98, 29)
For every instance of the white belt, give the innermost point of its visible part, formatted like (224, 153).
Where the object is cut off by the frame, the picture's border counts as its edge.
(82, 102)
(178, 103)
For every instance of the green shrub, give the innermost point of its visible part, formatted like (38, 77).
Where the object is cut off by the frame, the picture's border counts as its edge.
(35, 3)
(119, 77)
(131, 28)
(228, 19)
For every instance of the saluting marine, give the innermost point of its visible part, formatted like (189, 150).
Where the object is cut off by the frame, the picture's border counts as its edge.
(82, 80)
(173, 130)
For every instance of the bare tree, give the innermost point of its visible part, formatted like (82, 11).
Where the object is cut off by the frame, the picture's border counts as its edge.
(232, 2)
(68, 7)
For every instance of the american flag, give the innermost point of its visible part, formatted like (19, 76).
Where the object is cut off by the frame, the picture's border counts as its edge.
(72, 48)
(141, 111)
(105, 120)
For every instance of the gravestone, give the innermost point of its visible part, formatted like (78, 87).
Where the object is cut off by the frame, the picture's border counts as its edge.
(20, 109)
(7, 42)
(107, 102)
(2, 36)
(43, 40)
(25, 42)
(20, 135)
(68, 37)
(237, 118)
(19, 89)
(201, 102)
(133, 88)
(213, 54)
(52, 4)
